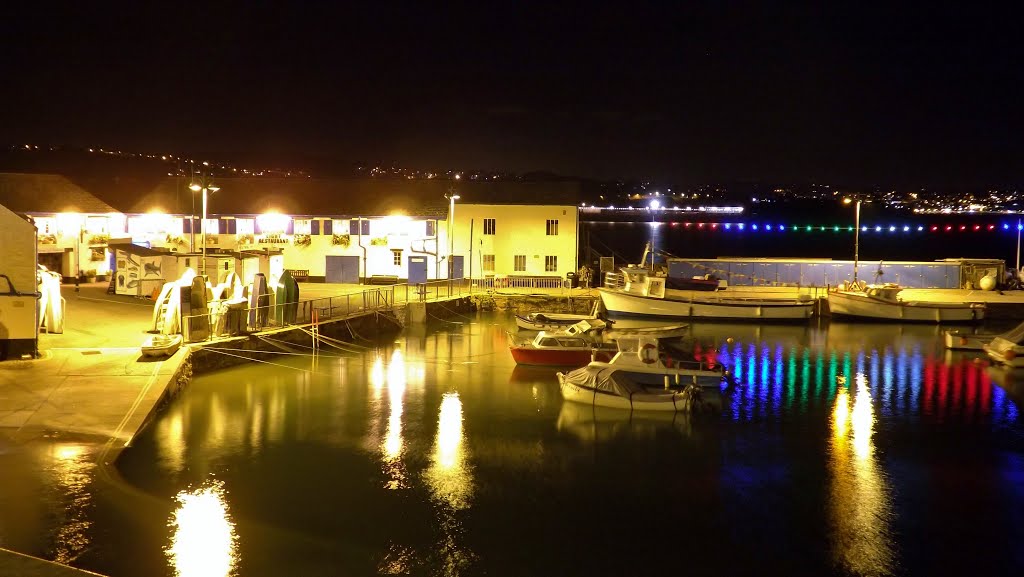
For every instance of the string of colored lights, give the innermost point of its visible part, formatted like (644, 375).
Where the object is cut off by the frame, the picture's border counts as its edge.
(780, 227)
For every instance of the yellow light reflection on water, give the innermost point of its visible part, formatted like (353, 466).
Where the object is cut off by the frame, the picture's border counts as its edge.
(377, 373)
(392, 445)
(73, 471)
(449, 476)
(860, 501)
(204, 543)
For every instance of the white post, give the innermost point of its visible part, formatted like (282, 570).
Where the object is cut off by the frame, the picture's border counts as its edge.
(856, 240)
(202, 228)
(1016, 271)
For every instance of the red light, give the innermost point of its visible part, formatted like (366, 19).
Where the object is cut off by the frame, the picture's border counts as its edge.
(688, 224)
(977, 227)
(714, 225)
(948, 228)
(991, 227)
(963, 227)
(700, 225)
(934, 228)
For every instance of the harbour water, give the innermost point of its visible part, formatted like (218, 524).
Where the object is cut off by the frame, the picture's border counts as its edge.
(846, 449)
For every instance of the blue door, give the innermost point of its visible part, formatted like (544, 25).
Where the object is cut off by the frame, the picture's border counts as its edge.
(456, 268)
(417, 269)
(342, 269)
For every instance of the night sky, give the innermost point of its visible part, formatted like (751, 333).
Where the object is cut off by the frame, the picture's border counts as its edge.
(922, 95)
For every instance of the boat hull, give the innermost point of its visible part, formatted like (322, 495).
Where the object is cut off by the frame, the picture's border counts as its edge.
(550, 323)
(663, 401)
(620, 303)
(557, 357)
(855, 305)
(955, 340)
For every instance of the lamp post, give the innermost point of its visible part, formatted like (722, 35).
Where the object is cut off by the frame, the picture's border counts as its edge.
(856, 236)
(451, 232)
(205, 186)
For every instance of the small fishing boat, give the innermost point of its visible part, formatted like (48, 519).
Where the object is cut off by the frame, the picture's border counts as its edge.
(560, 349)
(555, 321)
(612, 388)
(161, 345)
(1005, 352)
(964, 341)
(882, 303)
(648, 361)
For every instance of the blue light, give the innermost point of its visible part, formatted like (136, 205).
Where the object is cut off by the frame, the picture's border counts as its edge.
(892, 229)
(728, 226)
(1006, 226)
(863, 229)
(753, 226)
(741, 225)
(878, 229)
(767, 227)
(920, 228)
(782, 227)
(1020, 227)
(906, 229)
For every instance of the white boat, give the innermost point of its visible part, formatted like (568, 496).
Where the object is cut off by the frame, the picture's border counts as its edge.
(161, 345)
(554, 321)
(882, 303)
(644, 295)
(648, 361)
(1005, 352)
(965, 341)
(612, 388)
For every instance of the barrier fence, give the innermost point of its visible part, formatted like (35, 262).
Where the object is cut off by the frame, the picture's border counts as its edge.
(225, 319)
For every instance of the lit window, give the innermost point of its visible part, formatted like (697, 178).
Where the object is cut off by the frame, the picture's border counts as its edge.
(245, 226)
(552, 228)
(520, 265)
(489, 262)
(303, 226)
(551, 263)
(488, 226)
(397, 256)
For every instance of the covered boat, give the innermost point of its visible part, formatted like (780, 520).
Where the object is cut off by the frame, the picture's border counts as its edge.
(648, 361)
(1006, 351)
(882, 303)
(607, 387)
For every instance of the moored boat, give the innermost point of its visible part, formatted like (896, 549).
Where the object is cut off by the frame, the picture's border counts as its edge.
(961, 340)
(643, 295)
(161, 345)
(554, 321)
(882, 303)
(574, 346)
(608, 387)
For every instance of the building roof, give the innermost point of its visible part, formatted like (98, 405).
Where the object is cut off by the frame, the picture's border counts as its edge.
(47, 193)
(299, 196)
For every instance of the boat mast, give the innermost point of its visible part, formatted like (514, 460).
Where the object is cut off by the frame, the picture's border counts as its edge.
(643, 259)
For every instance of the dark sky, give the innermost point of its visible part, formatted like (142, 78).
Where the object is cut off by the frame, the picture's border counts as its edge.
(923, 94)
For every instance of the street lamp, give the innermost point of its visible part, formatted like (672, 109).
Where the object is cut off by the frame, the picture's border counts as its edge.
(856, 236)
(205, 187)
(451, 231)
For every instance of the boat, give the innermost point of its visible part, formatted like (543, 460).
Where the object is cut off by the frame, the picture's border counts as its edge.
(574, 346)
(964, 341)
(708, 283)
(602, 386)
(1007, 349)
(648, 361)
(645, 295)
(555, 321)
(161, 345)
(881, 302)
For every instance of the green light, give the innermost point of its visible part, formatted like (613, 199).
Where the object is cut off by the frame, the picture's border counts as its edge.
(809, 228)
(849, 228)
(835, 229)
(822, 228)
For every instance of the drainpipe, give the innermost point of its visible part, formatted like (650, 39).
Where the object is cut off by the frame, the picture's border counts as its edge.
(437, 262)
(360, 241)
(471, 221)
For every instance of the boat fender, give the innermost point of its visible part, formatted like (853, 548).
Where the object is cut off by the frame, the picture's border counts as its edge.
(1011, 354)
(963, 341)
(646, 357)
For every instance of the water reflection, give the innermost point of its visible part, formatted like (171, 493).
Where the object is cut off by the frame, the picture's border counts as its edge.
(72, 472)
(204, 543)
(391, 448)
(592, 424)
(860, 503)
(449, 476)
